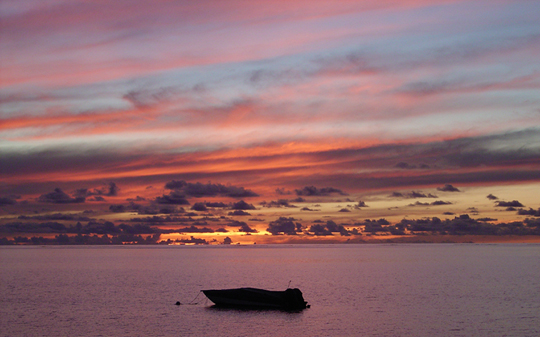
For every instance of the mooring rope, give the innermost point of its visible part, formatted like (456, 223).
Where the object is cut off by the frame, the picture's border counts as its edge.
(192, 301)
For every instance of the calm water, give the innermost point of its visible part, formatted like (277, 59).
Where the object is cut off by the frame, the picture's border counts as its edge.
(354, 290)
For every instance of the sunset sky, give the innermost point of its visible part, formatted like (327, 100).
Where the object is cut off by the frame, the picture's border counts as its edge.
(313, 110)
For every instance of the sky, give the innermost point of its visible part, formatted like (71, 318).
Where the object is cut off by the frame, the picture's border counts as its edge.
(308, 110)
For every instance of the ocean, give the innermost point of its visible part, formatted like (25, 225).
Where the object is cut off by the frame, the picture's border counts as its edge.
(353, 290)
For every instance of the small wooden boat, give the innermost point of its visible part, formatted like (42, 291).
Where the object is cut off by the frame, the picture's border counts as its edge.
(290, 299)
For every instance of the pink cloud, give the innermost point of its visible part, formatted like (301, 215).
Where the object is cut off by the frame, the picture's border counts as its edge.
(81, 42)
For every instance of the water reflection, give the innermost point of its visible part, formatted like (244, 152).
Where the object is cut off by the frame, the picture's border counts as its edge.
(377, 290)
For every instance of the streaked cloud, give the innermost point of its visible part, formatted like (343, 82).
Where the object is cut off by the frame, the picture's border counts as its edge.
(378, 101)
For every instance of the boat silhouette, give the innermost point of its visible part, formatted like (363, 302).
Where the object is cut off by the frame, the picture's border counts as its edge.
(289, 299)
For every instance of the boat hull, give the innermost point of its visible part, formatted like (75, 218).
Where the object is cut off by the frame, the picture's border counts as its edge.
(290, 299)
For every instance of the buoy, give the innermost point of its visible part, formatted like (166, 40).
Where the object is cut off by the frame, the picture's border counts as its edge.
(177, 303)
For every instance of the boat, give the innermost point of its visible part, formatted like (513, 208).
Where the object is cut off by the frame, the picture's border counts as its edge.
(289, 299)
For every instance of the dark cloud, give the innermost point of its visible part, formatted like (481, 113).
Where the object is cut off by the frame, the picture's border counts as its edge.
(130, 207)
(216, 204)
(465, 152)
(513, 203)
(491, 197)
(193, 240)
(360, 204)
(137, 198)
(448, 188)
(282, 191)
(418, 203)
(415, 194)
(283, 225)
(412, 195)
(492, 164)
(109, 190)
(242, 205)
(236, 223)
(194, 229)
(60, 197)
(164, 219)
(176, 185)
(278, 203)
(308, 209)
(473, 210)
(138, 229)
(90, 239)
(464, 224)
(7, 201)
(40, 227)
(112, 189)
(434, 203)
(238, 212)
(56, 216)
(244, 227)
(476, 151)
(154, 209)
(328, 229)
(173, 198)
(402, 165)
(118, 208)
(374, 226)
(97, 227)
(407, 166)
(209, 190)
(314, 191)
(199, 207)
(440, 202)
(530, 211)
(486, 219)
(50, 160)
(344, 210)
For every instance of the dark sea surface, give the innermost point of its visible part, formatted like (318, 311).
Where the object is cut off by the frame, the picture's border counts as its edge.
(354, 290)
